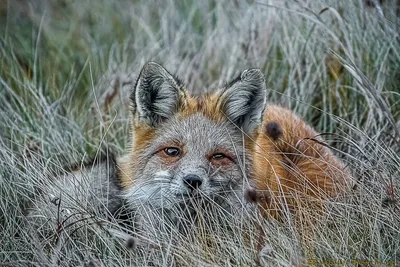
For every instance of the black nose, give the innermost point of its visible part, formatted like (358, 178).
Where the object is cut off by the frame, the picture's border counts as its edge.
(192, 181)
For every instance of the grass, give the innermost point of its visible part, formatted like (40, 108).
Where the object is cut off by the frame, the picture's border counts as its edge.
(67, 68)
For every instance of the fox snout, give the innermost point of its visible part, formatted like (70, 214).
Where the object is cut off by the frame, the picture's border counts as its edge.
(192, 181)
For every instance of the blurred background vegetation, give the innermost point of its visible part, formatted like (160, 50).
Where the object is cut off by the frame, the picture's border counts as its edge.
(76, 49)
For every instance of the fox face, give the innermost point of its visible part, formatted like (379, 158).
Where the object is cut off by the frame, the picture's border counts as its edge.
(189, 158)
(186, 150)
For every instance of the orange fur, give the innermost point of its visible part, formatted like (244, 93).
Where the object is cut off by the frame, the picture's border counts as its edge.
(295, 165)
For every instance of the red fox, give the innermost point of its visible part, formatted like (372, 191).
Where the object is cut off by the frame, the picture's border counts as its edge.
(184, 146)
(191, 153)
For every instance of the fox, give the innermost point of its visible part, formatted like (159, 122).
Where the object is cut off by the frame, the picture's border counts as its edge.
(190, 153)
(215, 142)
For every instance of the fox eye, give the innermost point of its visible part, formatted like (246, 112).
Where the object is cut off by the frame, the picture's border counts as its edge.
(220, 159)
(219, 156)
(172, 151)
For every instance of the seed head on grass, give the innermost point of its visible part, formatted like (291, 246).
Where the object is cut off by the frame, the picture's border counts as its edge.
(130, 243)
(273, 130)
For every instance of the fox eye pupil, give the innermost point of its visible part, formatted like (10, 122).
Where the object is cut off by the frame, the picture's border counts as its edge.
(172, 151)
(218, 156)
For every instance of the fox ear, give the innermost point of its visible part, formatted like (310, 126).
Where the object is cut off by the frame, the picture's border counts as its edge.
(244, 99)
(157, 95)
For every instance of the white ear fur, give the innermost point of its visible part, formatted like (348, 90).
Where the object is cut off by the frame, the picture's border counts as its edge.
(244, 100)
(156, 96)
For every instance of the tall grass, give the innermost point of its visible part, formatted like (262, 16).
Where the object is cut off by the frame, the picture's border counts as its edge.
(67, 68)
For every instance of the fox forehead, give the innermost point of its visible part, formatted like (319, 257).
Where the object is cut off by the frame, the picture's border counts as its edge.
(207, 105)
(197, 132)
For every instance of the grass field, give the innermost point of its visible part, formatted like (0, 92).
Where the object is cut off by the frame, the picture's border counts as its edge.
(67, 68)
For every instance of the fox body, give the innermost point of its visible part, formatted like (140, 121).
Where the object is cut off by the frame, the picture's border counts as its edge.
(191, 153)
(226, 141)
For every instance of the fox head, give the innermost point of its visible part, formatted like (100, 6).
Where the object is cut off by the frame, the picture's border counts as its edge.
(186, 147)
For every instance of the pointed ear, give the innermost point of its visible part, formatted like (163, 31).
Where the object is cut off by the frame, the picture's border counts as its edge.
(244, 99)
(157, 95)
